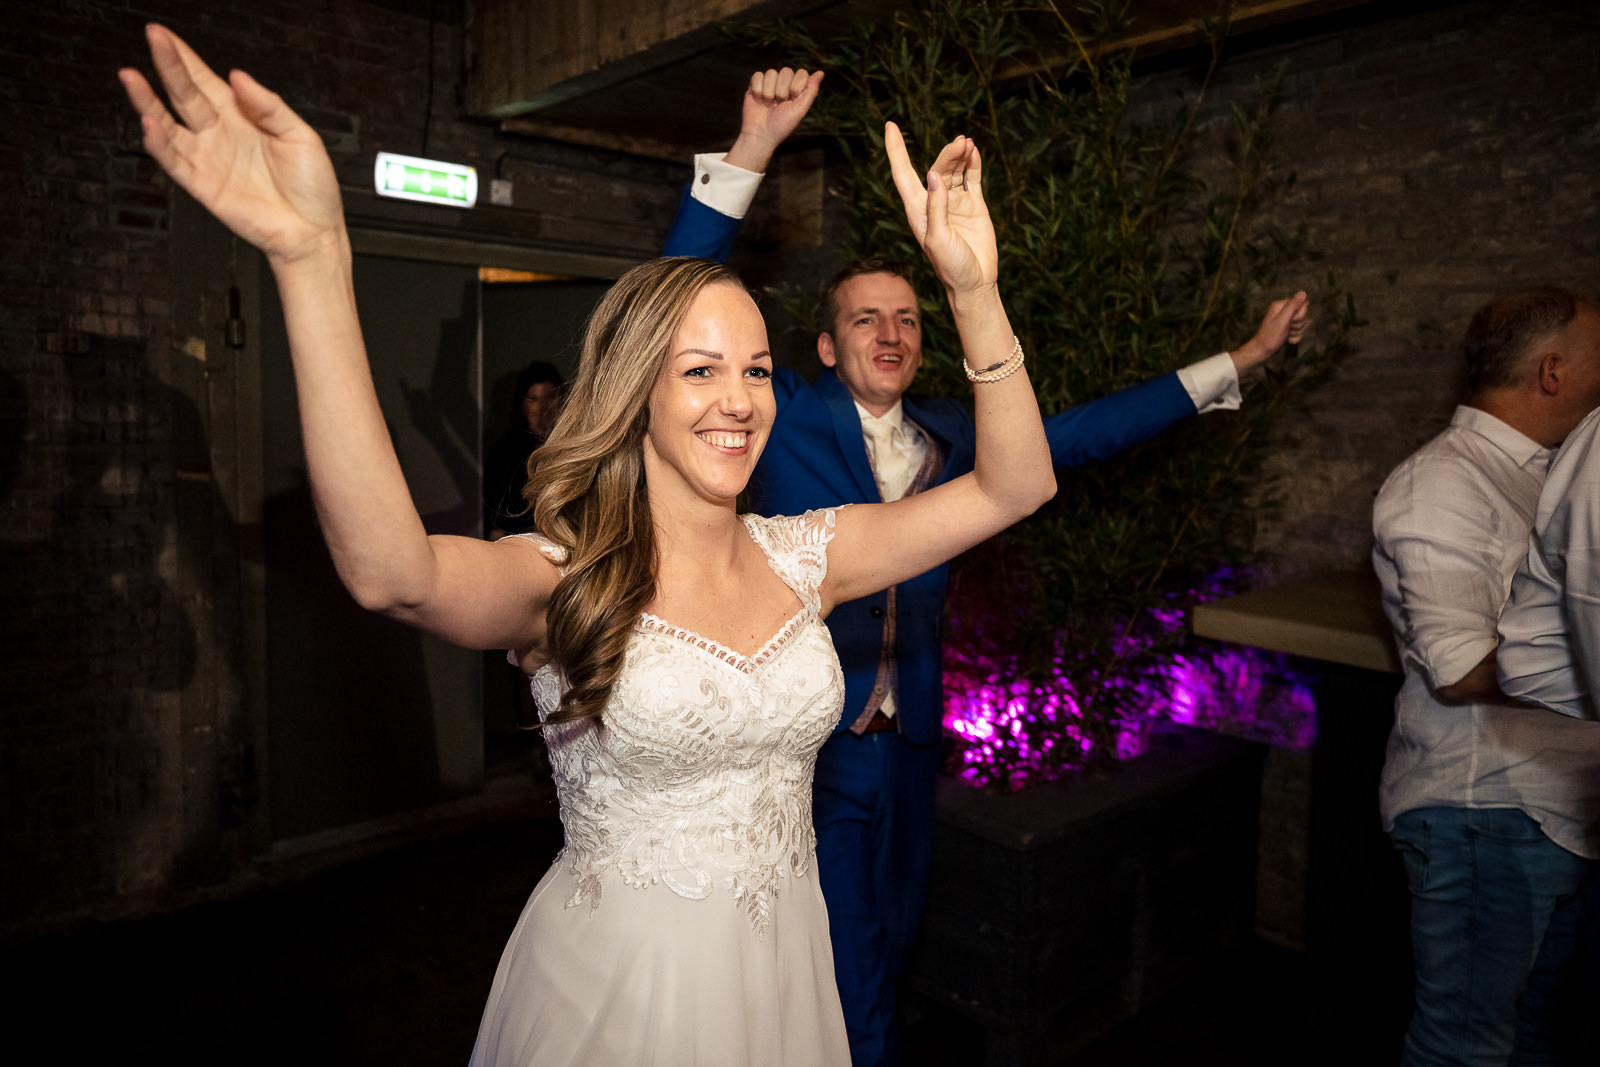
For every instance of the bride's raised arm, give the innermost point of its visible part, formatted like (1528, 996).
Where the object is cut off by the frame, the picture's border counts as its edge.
(251, 161)
(878, 545)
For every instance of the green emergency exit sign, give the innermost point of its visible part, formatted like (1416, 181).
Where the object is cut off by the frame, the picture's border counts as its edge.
(426, 180)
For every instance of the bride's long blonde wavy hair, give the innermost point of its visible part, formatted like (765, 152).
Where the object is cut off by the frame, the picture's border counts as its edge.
(587, 483)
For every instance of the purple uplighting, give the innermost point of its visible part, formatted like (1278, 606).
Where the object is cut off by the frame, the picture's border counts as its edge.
(1007, 729)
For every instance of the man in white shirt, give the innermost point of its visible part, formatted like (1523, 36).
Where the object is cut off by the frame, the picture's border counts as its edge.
(1492, 804)
(1550, 628)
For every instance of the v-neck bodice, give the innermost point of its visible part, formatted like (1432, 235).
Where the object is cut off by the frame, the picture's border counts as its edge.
(697, 777)
(739, 661)
(795, 578)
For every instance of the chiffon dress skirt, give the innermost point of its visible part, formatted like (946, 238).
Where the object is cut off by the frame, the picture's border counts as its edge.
(683, 923)
(659, 979)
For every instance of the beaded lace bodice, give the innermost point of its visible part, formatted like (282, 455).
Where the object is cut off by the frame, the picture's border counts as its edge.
(698, 777)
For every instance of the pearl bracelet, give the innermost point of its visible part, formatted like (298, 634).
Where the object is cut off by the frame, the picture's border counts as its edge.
(996, 371)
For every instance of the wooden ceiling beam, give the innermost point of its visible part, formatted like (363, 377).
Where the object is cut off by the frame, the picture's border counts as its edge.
(678, 94)
(1158, 26)
(587, 137)
(524, 55)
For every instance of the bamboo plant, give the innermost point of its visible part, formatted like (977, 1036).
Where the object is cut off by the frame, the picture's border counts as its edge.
(1130, 246)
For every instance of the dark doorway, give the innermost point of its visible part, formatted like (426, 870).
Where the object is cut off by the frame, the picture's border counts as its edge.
(524, 321)
(368, 717)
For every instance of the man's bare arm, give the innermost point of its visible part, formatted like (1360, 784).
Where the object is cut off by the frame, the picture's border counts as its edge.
(1480, 685)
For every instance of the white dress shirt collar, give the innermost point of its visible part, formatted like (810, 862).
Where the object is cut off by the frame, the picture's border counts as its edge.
(895, 448)
(894, 418)
(1514, 443)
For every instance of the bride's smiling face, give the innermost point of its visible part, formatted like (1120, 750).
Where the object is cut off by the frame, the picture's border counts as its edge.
(712, 406)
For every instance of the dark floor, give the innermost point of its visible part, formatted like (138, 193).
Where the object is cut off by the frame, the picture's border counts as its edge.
(388, 960)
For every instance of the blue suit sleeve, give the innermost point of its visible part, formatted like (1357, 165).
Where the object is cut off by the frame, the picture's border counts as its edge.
(699, 230)
(1103, 427)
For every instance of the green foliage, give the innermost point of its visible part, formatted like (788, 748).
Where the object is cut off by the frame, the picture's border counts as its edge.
(1118, 263)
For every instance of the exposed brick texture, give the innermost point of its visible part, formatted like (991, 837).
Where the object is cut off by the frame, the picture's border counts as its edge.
(95, 400)
(1441, 156)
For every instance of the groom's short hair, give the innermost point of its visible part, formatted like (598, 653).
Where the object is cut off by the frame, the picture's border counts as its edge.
(854, 269)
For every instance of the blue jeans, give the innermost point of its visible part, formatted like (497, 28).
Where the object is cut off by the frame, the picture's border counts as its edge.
(1492, 940)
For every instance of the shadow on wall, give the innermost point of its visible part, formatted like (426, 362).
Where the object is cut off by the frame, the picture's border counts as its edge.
(348, 693)
(368, 717)
(446, 415)
(97, 642)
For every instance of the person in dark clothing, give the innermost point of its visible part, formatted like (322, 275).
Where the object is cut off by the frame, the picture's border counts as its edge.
(539, 392)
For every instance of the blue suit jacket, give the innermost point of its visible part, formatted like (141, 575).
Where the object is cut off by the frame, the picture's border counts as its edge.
(700, 231)
(816, 458)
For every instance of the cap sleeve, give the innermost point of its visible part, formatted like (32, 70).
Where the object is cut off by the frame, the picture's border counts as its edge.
(555, 554)
(797, 548)
(552, 551)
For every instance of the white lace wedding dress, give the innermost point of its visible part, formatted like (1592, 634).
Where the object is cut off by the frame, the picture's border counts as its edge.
(683, 924)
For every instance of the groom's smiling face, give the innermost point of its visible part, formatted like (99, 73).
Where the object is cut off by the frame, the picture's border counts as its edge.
(875, 344)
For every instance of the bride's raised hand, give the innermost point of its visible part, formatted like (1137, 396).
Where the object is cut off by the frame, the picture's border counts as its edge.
(240, 151)
(946, 211)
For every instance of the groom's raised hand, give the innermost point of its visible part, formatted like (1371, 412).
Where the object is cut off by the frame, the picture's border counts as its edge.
(774, 103)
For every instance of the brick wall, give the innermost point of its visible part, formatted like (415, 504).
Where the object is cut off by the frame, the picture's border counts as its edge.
(104, 430)
(1442, 155)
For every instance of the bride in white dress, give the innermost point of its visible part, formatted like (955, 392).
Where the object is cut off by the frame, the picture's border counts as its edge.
(690, 679)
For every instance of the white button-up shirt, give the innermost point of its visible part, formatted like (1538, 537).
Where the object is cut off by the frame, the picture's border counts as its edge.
(1451, 525)
(1551, 626)
(895, 448)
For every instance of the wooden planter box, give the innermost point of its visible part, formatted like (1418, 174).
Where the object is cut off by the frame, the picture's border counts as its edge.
(1056, 912)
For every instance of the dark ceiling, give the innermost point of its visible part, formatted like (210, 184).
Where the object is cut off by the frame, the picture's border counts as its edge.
(691, 104)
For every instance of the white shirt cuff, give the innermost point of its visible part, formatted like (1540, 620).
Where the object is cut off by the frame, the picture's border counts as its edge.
(723, 187)
(1213, 384)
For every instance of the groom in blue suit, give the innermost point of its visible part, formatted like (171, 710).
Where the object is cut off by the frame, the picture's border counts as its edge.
(853, 437)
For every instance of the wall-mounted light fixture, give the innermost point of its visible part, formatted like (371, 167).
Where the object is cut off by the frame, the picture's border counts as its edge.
(425, 180)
